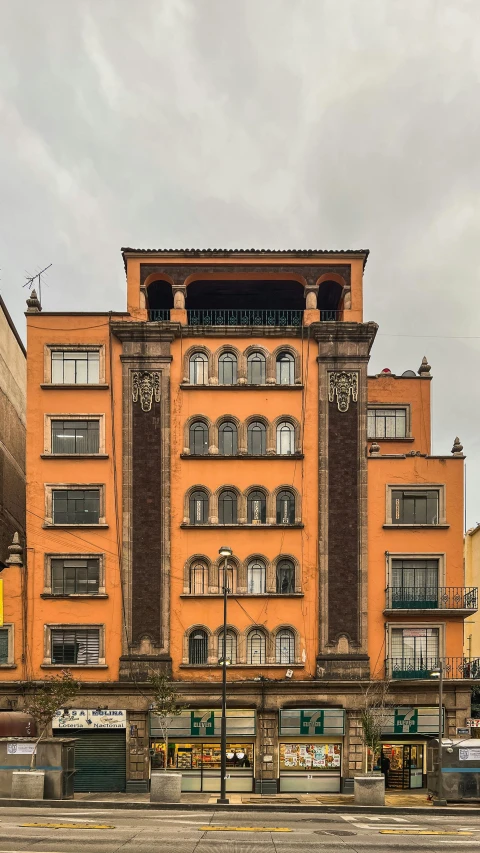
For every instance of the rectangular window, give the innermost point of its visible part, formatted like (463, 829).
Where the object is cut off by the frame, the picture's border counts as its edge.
(70, 367)
(76, 576)
(77, 646)
(387, 423)
(414, 651)
(76, 506)
(415, 507)
(4, 646)
(76, 437)
(414, 583)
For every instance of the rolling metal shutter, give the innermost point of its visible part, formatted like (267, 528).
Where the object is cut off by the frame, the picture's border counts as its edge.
(100, 759)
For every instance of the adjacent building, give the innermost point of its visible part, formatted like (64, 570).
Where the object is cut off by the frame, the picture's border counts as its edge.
(231, 405)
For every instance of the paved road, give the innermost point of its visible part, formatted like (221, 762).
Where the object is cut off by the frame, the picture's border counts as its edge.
(185, 832)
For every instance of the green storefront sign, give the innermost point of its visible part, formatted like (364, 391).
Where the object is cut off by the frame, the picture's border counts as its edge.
(312, 721)
(405, 722)
(411, 721)
(202, 723)
(207, 722)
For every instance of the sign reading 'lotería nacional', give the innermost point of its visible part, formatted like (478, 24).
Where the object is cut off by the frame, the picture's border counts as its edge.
(81, 718)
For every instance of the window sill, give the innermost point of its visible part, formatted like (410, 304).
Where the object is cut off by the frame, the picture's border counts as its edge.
(219, 595)
(80, 526)
(296, 526)
(73, 666)
(267, 387)
(242, 666)
(405, 438)
(74, 595)
(74, 456)
(237, 456)
(12, 665)
(49, 386)
(416, 526)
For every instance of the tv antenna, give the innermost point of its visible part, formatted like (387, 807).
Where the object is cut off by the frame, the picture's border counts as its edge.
(31, 279)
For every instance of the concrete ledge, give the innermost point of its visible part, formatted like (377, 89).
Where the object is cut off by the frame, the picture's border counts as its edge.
(97, 805)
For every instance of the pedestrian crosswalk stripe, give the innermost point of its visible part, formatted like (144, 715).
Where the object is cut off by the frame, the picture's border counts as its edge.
(245, 829)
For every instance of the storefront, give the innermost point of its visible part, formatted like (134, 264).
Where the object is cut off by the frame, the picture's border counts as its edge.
(310, 749)
(194, 748)
(100, 747)
(405, 735)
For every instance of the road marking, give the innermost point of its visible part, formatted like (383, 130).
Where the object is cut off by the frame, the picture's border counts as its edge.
(245, 829)
(421, 832)
(390, 818)
(70, 825)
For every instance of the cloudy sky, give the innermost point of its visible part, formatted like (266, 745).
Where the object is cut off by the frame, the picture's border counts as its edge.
(264, 123)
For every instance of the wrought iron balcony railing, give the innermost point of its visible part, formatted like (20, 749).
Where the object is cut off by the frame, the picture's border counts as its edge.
(243, 317)
(159, 314)
(422, 667)
(432, 598)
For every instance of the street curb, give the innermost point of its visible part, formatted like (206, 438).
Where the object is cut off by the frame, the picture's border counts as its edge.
(202, 807)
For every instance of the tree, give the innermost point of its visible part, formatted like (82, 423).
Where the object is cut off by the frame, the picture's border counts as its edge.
(166, 706)
(373, 717)
(42, 700)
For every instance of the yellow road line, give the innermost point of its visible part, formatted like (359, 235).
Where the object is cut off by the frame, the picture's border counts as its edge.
(421, 832)
(70, 825)
(245, 829)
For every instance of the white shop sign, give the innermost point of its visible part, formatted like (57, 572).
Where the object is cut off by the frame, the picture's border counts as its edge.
(469, 754)
(81, 718)
(20, 748)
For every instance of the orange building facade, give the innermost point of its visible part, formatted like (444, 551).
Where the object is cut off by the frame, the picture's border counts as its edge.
(230, 406)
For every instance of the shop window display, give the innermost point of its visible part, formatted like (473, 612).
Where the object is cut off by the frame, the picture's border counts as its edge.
(310, 756)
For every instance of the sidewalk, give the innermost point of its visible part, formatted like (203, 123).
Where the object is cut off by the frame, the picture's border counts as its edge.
(405, 799)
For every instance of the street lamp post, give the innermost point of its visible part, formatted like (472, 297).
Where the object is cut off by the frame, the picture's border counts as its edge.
(226, 553)
(438, 673)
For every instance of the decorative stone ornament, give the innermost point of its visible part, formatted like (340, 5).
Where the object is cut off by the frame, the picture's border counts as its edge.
(343, 385)
(15, 552)
(146, 384)
(33, 303)
(374, 449)
(457, 448)
(424, 369)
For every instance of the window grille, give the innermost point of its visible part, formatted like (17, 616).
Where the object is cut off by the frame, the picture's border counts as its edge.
(231, 647)
(256, 648)
(227, 439)
(416, 648)
(231, 577)
(285, 646)
(198, 438)
(285, 507)
(198, 508)
(77, 646)
(285, 369)
(75, 368)
(256, 508)
(75, 436)
(3, 645)
(256, 577)
(75, 576)
(76, 506)
(198, 369)
(198, 647)
(256, 369)
(227, 369)
(198, 579)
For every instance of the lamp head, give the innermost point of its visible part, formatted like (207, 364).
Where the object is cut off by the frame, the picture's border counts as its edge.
(225, 551)
(435, 673)
(227, 662)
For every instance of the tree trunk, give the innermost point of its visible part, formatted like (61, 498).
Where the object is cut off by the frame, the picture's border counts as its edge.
(165, 764)
(33, 760)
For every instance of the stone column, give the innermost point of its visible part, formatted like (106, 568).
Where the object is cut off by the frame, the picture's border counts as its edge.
(138, 757)
(266, 746)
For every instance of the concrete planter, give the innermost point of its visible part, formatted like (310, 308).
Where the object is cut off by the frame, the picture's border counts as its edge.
(165, 787)
(369, 790)
(28, 784)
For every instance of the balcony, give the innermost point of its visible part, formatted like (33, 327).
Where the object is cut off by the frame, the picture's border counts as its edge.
(463, 600)
(242, 316)
(418, 667)
(156, 315)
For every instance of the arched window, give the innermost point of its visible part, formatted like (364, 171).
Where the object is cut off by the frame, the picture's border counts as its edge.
(285, 577)
(230, 647)
(256, 575)
(285, 646)
(227, 507)
(198, 369)
(198, 647)
(256, 647)
(256, 508)
(198, 438)
(285, 369)
(285, 439)
(227, 369)
(198, 507)
(256, 439)
(227, 439)
(231, 578)
(198, 579)
(256, 368)
(285, 507)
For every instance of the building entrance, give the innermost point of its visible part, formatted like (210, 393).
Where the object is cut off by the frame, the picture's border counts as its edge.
(402, 764)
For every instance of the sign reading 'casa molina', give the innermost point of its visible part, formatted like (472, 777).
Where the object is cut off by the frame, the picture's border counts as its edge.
(82, 718)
